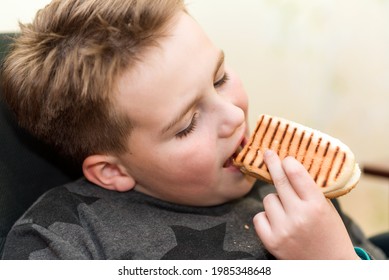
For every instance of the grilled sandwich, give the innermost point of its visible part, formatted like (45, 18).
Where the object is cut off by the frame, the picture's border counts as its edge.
(330, 162)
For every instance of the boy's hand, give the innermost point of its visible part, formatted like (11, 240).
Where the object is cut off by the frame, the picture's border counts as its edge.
(298, 221)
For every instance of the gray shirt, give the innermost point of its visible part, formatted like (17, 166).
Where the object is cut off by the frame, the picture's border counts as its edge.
(83, 221)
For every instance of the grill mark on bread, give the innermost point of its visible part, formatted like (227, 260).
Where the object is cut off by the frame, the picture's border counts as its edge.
(291, 140)
(266, 130)
(326, 150)
(252, 139)
(330, 167)
(307, 148)
(321, 163)
(313, 158)
(261, 140)
(282, 138)
(318, 145)
(261, 164)
(271, 141)
(341, 165)
(274, 133)
(299, 144)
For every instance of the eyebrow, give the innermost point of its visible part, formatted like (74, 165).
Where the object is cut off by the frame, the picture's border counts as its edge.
(192, 103)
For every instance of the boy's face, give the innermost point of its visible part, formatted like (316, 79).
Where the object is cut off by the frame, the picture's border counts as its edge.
(189, 113)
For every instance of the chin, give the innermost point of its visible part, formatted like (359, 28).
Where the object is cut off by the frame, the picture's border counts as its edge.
(240, 190)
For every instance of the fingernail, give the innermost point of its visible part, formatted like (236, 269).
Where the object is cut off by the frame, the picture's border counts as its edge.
(268, 153)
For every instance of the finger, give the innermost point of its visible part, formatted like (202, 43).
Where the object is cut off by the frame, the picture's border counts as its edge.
(300, 180)
(274, 209)
(262, 227)
(279, 178)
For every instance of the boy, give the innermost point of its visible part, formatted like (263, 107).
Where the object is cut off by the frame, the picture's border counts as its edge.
(136, 94)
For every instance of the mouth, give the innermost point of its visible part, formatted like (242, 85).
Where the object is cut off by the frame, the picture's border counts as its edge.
(230, 161)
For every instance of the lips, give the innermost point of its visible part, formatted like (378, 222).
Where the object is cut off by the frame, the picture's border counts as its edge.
(229, 161)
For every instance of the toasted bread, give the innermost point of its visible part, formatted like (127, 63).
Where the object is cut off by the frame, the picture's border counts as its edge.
(330, 162)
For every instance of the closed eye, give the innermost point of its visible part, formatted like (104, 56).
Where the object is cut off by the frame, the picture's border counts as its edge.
(221, 81)
(191, 127)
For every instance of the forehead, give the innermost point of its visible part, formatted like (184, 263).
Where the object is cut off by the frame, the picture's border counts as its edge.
(177, 69)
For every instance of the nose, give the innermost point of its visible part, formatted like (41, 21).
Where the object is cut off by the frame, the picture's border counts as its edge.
(232, 117)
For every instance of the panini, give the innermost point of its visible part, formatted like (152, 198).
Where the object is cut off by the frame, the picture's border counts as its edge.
(330, 162)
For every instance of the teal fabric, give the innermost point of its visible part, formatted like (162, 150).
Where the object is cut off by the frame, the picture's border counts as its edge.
(362, 253)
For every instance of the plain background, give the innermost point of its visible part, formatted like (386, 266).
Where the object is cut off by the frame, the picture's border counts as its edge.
(323, 63)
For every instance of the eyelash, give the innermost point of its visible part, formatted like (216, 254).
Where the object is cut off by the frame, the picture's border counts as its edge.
(222, 81)
(189, 129)
(193, 123)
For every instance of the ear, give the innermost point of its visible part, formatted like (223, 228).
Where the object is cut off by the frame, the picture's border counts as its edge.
(108, 173)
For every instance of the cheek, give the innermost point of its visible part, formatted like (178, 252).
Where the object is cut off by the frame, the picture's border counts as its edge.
(196, 160)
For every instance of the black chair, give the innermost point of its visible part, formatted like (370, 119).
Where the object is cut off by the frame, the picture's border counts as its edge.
(382, 241)
(27, 167)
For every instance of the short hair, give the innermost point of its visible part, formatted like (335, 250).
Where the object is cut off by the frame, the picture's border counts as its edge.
(62, 70)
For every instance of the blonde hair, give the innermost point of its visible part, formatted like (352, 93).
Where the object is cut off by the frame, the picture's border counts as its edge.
(60, 75)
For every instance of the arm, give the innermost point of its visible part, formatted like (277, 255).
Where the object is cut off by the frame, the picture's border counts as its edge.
(298, 221)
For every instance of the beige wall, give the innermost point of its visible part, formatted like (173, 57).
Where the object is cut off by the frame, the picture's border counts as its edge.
(12, 11)
(324, 63)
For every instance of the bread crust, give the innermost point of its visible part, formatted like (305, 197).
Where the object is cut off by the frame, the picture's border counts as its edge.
(329, 161)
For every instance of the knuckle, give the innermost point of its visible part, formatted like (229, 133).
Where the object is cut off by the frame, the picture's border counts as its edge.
(272, 245)
(278, 240)
(293, 172)
(281, 180)
(299, 222)
(268, 199)
(318, 209)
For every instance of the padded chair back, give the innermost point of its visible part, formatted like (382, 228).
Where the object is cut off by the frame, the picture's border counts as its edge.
(27, 167)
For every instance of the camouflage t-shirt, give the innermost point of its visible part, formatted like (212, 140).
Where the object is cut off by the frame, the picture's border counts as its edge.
(83, 221)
